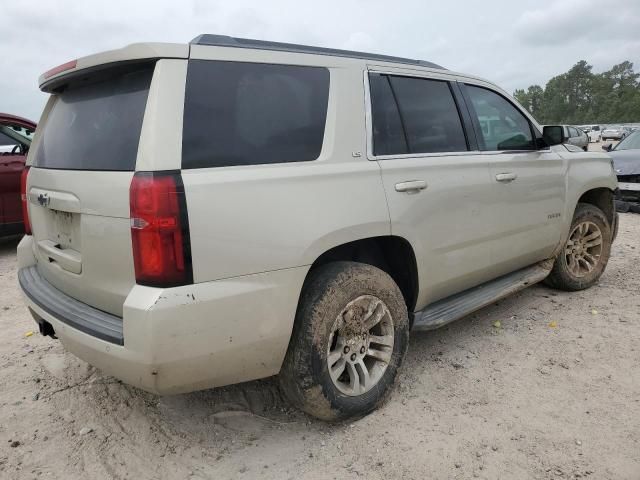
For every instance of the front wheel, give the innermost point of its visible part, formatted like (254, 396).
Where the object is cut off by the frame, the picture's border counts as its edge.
(350, 336)
(586, 252)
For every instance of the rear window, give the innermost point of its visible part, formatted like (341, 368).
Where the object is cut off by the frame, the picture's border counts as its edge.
(414, 115)
(96, 124)
(240, 113)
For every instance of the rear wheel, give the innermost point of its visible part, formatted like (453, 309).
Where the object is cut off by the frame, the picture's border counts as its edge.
(586, 252)
(350, 336)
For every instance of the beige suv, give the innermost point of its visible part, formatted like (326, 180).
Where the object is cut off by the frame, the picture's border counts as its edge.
(232, 209)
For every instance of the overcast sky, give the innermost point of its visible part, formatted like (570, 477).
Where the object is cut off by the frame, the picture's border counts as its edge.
(514, 43)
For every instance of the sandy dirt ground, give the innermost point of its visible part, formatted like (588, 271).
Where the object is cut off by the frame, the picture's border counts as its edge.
(551, 391)
(597, 146)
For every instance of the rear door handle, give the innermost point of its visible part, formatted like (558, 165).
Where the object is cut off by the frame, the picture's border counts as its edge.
(506, 177)
(411, 186)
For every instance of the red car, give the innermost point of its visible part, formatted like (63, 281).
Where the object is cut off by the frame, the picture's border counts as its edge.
(15, 138)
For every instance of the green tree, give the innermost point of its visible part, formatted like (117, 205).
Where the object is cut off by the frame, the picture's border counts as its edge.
(581, 96)
(532, 99)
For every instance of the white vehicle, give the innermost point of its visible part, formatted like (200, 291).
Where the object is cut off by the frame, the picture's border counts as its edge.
(615, 132)
(594, 133)
(232, 209)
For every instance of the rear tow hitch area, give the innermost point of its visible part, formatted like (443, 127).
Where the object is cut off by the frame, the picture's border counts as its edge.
(45, 328)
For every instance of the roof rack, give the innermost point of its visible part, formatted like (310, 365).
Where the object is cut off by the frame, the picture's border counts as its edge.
(226, 41)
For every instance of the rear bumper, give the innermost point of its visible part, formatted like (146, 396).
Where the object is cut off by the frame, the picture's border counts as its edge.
(68, 310)
(180, 339)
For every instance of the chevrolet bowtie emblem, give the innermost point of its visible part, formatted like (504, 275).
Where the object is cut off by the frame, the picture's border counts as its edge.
(44, 200)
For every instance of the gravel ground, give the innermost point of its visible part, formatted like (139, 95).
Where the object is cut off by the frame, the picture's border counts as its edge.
(551, 391)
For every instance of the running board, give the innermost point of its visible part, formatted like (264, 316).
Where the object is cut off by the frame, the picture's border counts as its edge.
(457, 306)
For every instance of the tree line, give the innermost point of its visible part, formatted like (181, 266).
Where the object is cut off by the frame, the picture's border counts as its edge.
(580, 96)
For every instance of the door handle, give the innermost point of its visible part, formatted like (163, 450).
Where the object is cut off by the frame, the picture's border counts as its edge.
(411, 186)
(506, 177)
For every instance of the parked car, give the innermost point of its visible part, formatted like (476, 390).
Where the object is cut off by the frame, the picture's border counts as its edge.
(594, 133)
(615, 132)
(626, 163)
(273, 208)
(15, 139)
(576, 136)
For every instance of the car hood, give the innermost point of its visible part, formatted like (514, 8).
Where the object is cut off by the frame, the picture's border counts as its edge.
(626, 162)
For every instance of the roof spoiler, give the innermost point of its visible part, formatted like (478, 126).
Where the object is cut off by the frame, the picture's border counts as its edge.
(55, 77)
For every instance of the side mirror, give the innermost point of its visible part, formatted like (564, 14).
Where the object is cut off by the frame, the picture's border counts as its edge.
(607, 146)
(553, 134)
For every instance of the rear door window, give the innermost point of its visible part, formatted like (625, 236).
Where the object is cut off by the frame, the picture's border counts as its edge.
(429, 114)
(502, 126)
(414, 115)
(240, 113)
(95, 124)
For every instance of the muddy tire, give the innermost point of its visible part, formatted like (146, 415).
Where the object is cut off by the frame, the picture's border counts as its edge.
(350, 336)
(586, 253)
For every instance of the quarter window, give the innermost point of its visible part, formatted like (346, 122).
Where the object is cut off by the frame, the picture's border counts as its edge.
(502, 126)
(240, 113)
(414, 115)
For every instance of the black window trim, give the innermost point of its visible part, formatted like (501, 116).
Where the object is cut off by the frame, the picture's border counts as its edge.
(535, 134)
(470, 135)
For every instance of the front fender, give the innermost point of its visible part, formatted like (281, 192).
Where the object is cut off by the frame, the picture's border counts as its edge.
(586, 172)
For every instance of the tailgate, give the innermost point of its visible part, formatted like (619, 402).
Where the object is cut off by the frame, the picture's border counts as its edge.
(81, 230)
(78, 185)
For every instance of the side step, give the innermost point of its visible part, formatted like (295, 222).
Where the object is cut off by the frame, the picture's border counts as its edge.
(457, 306)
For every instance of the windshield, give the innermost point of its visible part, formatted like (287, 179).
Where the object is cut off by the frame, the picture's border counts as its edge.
(614, 127)
(15, 134)
(96, 125)
(632, 142)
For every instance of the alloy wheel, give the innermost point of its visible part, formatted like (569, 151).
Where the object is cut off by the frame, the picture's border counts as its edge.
(360, 345)
(583, 249)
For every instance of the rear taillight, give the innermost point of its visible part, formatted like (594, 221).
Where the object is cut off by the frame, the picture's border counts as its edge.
(25, 200)
(160, 229)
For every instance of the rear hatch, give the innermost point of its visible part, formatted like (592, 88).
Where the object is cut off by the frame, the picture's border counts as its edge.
(82, 168)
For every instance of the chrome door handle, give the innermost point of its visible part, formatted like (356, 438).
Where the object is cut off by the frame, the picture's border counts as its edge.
(411, 186)
(506, 177)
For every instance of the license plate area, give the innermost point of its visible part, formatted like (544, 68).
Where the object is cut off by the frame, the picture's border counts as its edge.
(61, 246)
(65, 229)
(629, 186)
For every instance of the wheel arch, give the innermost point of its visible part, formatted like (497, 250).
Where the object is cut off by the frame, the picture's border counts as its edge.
(390, 253)
(601, 197)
